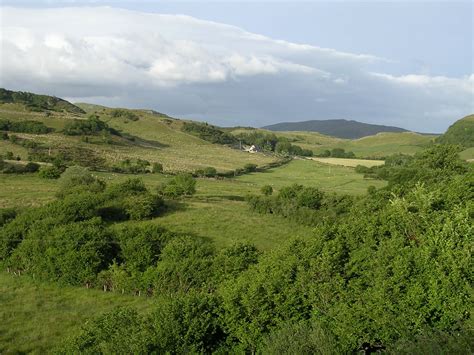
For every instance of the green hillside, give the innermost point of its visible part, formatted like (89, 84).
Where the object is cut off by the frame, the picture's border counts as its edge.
(35, 102)
(142, 134)
(376, 146)
(461, 132)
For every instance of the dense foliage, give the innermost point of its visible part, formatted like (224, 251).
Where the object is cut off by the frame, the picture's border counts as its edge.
(26, 126)
(38, 102)
(122, 113)
(461, 132)
(393, 273)
(91, 126)
(208, 133)
(337, 153)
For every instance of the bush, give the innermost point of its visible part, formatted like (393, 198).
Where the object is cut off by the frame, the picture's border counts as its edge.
(143, 206)
(31, 167)
(157, 168)
(137, 166)
(91, 126)
(250, 168)
(310, 197)
(209, 133)
(26, 126)
(267, 190)
(121, 113)
(49, 172)
(206, 172)
(76, 179)
(120, 331)
(180, 185)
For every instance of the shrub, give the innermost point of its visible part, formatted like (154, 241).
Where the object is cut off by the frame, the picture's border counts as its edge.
(180, 185)
(49, 172)
(91, 126)
(208, 133)
(31, 167)
(206, 172)
(267, 190)
(157, 168)
(26, 126)
(143, 206)
(76, 179)
(310, 197)
(122, 113)
(249, 168)
(120, 331)
(141, 245)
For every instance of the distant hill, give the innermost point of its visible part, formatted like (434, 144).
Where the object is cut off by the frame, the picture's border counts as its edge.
(336, 128)
(460, 132)
(35, 102)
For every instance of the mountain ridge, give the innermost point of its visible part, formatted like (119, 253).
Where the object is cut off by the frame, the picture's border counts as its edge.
(340, 128)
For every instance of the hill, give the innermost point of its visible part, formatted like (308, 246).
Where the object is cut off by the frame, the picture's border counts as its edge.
(140, 134)
(336, 128)
(376, 146)
(461, 132)
(35, 102)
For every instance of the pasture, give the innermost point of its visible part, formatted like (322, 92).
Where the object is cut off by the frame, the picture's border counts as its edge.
(47, 312)
(218, 210)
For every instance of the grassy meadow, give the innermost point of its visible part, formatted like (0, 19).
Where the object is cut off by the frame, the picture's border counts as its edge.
(218, 210)
(35, 316)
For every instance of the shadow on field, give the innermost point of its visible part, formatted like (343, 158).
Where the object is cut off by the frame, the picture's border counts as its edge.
(172, 206)
(211, 198)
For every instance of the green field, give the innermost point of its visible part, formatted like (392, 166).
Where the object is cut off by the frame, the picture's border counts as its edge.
(36, 316)
(218, 209)
(349, 162)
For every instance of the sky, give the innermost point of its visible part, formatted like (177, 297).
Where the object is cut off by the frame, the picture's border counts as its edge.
(401, 63)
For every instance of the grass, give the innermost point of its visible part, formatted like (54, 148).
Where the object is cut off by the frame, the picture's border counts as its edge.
(218, 210)
(349, 162)
(157, 139)
(467, 154)
(27, 190)
(36, 316)
(311, 173)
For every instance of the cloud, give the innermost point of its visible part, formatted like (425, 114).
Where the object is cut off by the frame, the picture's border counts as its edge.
(206, 70)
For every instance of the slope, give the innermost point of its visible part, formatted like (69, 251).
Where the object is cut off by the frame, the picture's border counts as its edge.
(336, 128)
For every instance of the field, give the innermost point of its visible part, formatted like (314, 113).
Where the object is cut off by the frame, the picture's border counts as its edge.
(218, 210)
(349, 162)
(47, 313)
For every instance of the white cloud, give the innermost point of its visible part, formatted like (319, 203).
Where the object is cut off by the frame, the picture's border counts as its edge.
(186, 66)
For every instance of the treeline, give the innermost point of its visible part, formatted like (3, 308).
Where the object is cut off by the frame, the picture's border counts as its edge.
(269, 142)
(336, 153)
